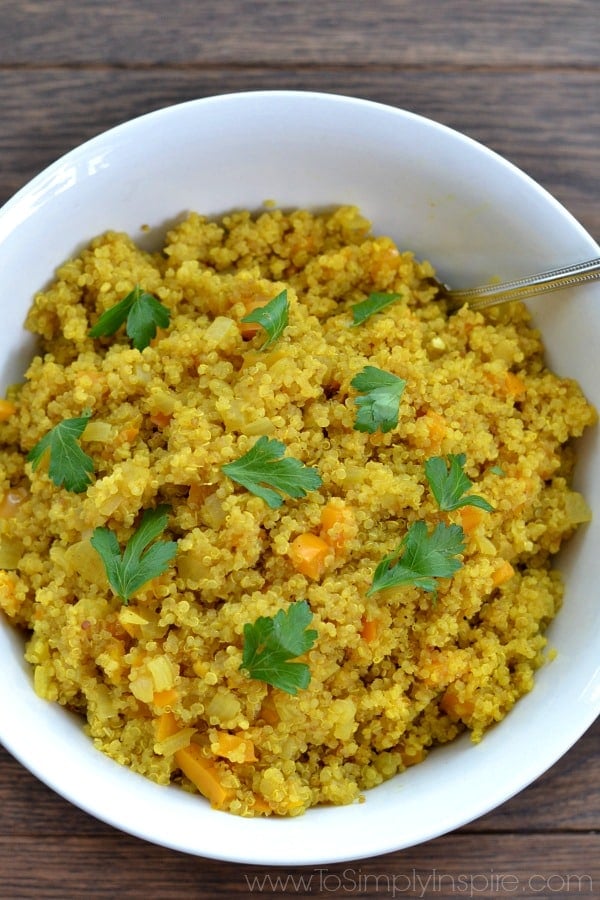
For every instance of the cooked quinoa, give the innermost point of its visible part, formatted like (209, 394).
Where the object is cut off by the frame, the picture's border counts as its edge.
(392, 673)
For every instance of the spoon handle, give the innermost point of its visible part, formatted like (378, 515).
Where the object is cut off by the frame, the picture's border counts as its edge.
(495, 294)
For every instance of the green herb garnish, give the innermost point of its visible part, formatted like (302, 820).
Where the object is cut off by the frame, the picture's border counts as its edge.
(421, 558)
(69, 465)
(373, 304)
(141, 561)
(273, 317)
(143, 313)
(378, 408)
(498, 470)
(271, 642)
(262, 468)
(449, 483)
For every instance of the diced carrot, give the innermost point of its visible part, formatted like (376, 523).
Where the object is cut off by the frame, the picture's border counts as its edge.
(268, 711)
(260, 806)
(434, 667)
(165, 698)
(235, 747)
(160, 419)
(514, 385)
(203, 774)
(7, 409)
(470, 518)
(436, 427)
(369, 629)
(127, 435)
(171, 737)
(308, 554)
(337, 524)
(507, 384)
(166, 726)
(502, 573)
(412, 757)
(454, 706)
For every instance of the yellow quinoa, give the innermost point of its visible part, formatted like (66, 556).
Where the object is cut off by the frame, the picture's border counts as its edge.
(392, 674)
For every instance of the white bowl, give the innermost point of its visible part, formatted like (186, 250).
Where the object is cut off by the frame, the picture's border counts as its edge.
(450, 200)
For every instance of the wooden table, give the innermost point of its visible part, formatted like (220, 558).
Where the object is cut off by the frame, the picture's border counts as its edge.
(522, 78)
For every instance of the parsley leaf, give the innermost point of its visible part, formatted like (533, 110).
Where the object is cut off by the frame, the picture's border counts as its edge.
(379, 407)
(498, 470)
(69, 465)
(143, 313)
(373, 304)
(448, 483)
(273, 317)
(139, 562)
(262, 465)
(421, 558)
(271, 642)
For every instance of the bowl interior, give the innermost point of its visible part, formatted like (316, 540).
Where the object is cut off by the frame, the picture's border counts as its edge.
(449, 200)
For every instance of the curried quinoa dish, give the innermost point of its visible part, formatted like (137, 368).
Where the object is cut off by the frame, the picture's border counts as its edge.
(273, 520)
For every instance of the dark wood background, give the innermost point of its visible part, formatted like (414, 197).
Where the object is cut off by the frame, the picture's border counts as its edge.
(522, 78)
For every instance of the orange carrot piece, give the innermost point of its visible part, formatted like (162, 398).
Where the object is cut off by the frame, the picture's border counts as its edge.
(514, 385)
(412, 757)
(127, 435)
(165, 698)
(454, 706)
(260, 806)
(7, 409)
(234, 747)
(308, 554)
(470, 518)
(369, 629)
(160, 419)
(336, 524)
(436, 427)
(203, 774)
(166, 726)
(507, 384)
(502, 573)
(268, 711)
(434, 667)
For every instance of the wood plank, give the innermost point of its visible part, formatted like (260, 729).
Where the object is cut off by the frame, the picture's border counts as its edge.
(314, 32)
(533, 119)
(80, 868)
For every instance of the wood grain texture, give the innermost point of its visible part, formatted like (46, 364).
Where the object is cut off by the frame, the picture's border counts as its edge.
(492, 866)
(301, 32)
(523, 78)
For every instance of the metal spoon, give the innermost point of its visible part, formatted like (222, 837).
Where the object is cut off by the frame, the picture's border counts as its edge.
(494, 294)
